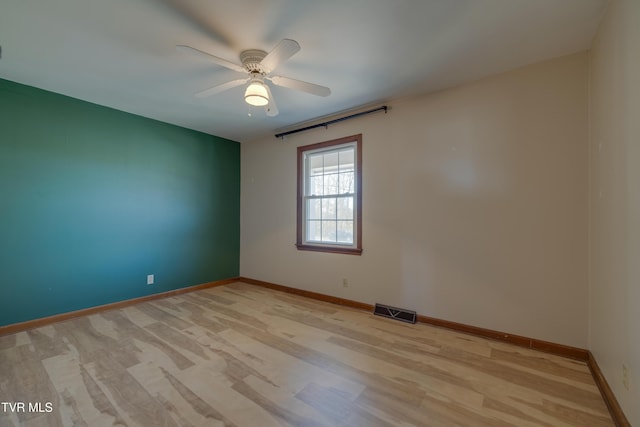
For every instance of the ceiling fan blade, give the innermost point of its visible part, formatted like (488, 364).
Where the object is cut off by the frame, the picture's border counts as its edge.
(283, 51)
(223, 62)
(271, 108)
(221, 88)
(311, 88)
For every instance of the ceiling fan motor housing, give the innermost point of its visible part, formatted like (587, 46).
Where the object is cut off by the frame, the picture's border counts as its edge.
(251, 60)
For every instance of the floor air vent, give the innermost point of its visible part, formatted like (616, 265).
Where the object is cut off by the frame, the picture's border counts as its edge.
(395, 313)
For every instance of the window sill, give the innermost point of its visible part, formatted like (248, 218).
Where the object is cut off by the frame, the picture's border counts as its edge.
(330, 249)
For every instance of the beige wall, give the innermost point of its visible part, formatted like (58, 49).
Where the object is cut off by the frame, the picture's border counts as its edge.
(475, 206)
(614, 255)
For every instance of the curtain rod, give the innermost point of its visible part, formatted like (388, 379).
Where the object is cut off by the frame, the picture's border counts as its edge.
(330, 122)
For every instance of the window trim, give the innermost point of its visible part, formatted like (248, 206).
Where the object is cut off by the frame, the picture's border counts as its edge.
(355, 249)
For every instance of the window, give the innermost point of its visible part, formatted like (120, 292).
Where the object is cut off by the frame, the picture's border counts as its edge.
(329, 196)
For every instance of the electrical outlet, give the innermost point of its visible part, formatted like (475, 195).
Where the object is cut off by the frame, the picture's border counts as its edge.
(345, 282)
(625, 376)
(150, 279)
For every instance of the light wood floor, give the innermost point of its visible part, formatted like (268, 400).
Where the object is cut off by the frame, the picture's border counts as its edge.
(241, 355)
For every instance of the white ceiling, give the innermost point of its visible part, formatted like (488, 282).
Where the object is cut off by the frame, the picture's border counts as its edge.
(121, 53)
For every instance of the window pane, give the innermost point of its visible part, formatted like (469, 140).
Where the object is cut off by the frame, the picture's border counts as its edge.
(314, 230)
(346, 183)
(345, 232)
(345, 208)
(329, 210)
(331, 184)
(328, 231)
(347, 160)
(316, 185)
(314, 207)
(315, 164)
(331, 162)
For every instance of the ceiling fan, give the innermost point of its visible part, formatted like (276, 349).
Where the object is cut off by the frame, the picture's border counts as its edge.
(259, 64)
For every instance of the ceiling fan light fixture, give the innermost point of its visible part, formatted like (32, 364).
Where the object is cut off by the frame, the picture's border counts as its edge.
(259, 64)
(256, 94)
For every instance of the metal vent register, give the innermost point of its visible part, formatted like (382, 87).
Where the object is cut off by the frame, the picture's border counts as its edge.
(395, 313)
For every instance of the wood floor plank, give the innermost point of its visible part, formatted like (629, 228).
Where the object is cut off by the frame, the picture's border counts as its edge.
(91, 345)
(550, 387)
(217, 391)
(8, 341)
(126, 328)
(535, 363)
(177, 339)
(198, 316)
(334, 403)
(128, 395)
(100, 403)
(160, 315)
(240, 355)
(284, 413)
(208, 412)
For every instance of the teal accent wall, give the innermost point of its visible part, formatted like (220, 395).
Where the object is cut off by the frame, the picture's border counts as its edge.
(93, 199)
